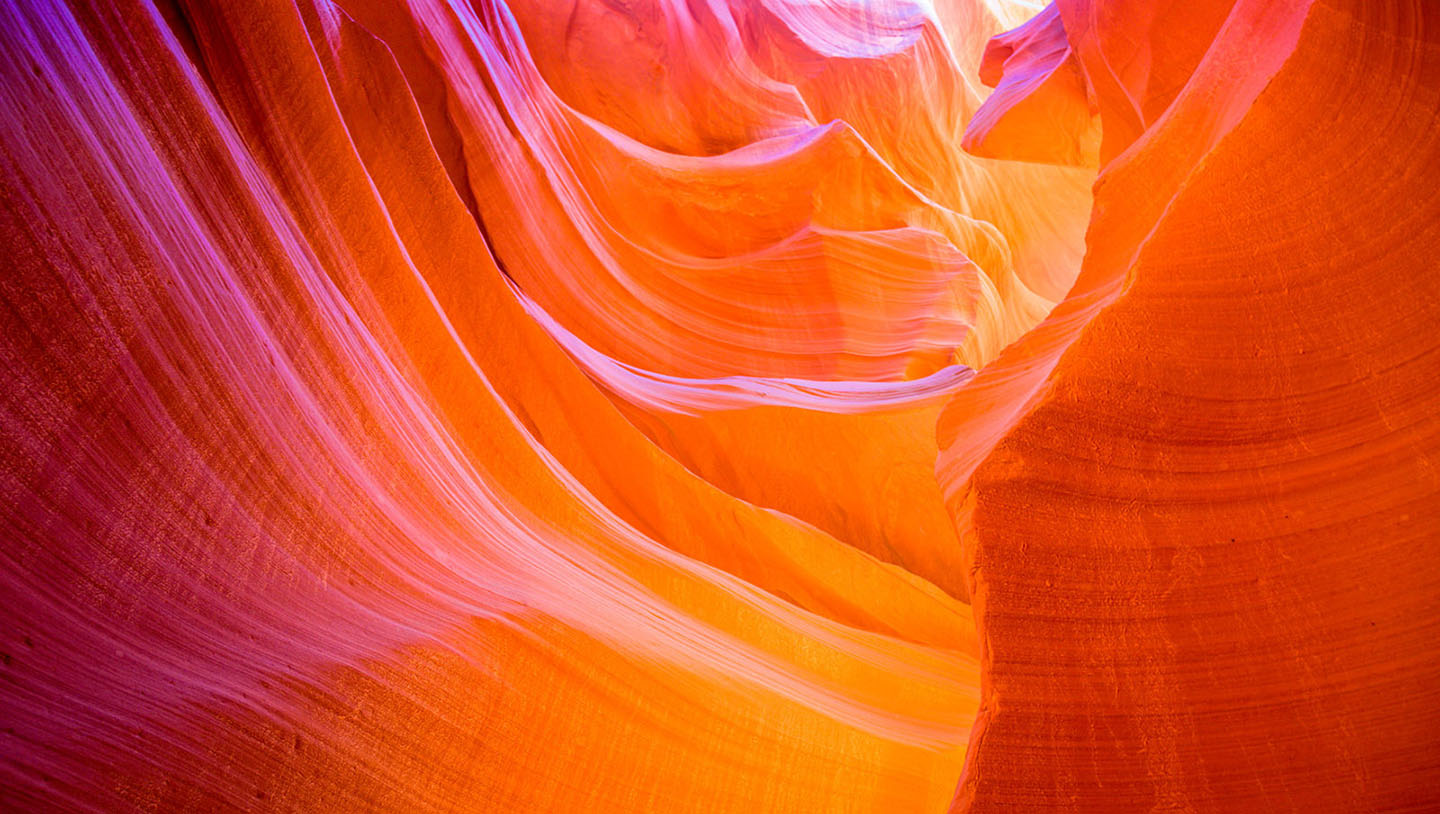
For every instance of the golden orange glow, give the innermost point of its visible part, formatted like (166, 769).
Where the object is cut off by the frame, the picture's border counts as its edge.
(719, 405)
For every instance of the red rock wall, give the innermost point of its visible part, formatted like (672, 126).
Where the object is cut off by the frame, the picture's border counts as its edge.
(1203, 561)
(619, 406)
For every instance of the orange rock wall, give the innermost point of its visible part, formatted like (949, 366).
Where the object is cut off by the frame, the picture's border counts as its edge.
(718, 406)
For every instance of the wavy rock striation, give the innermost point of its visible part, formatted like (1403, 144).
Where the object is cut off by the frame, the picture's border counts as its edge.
(512, 405)
(1202, 540)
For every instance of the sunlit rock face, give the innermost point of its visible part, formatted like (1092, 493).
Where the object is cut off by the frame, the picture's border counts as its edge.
(722, 405)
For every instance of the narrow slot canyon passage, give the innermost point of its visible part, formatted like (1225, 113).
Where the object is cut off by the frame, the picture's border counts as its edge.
(720, 405)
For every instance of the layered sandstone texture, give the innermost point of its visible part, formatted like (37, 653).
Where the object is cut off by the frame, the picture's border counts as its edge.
(720, 405)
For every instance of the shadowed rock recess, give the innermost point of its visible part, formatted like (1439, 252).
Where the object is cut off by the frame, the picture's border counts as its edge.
(720, 405)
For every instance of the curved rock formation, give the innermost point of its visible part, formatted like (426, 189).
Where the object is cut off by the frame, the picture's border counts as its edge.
(512, 405)
(1203, 544)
